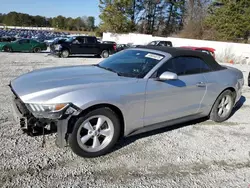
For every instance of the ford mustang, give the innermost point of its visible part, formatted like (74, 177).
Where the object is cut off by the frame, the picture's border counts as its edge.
(136, 90)
(23, 45)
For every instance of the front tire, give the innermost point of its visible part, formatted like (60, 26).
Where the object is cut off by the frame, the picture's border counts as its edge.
(95, 133)
(7, 49)
(65, 53)
(223, 106)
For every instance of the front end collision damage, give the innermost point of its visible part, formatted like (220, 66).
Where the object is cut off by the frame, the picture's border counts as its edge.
(37, 126)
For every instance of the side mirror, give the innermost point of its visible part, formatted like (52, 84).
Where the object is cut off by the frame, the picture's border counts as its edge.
(168, 76)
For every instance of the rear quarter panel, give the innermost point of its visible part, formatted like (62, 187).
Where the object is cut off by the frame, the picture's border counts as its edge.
(217, 81)
(43, 46)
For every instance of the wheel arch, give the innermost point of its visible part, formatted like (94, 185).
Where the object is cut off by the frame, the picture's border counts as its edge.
(35, 46)
(6, 45)
(66, 48)
(114, 108)
(233, 90)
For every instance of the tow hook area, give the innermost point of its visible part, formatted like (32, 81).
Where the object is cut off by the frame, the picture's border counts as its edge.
(35, 127)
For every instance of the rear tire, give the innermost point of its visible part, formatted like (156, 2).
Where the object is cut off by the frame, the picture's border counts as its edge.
(65, 53)
(37, 50)
(223, 106)
(105, 54)
(92, 139)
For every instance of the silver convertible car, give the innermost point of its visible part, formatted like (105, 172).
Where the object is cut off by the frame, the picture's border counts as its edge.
(136, 90)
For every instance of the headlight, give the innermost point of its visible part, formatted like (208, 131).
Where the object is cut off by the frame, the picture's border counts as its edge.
(51, 111)
(57, 46)
(47, 107)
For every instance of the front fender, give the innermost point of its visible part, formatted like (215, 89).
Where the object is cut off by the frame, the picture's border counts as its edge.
(2, 47)
(129, 98)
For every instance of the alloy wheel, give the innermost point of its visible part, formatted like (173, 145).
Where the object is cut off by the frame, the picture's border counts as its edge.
(95, 133)
(65, 53)
(225, 106)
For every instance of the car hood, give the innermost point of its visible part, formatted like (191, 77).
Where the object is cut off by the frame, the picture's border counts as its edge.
(61, 80)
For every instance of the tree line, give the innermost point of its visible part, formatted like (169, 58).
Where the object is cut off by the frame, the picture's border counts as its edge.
(225, 20)
(73, 24)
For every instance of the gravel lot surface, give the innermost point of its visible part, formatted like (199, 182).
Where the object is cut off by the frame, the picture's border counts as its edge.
(198, 154)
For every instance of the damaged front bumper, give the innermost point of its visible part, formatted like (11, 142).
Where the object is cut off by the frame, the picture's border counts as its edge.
(34, 126)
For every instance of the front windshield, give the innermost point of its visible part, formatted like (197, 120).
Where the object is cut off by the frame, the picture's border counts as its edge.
(132, 63)
(152, 43)
(70, 39)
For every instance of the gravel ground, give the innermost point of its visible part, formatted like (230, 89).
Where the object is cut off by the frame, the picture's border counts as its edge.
(198, 154)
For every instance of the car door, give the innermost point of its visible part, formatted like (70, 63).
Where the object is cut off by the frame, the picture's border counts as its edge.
(172, 99)
(22, 45)
(76, 46)
(90, 46)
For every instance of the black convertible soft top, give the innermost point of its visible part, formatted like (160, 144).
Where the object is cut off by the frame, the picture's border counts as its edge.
(176, 52)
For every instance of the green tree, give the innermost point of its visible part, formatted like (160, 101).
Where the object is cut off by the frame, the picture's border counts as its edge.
(59, 22)
(11, 19)
(230, 19)
(69, 24)
(91, 23)
(161, 17)
(1, 18)
(114, 15)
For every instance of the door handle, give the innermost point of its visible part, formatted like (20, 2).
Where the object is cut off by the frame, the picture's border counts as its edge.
(201, 84)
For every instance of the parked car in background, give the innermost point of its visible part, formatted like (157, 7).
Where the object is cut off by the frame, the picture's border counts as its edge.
(39, 35)
(135, 90)
(160, 43)
(121, 47)
(7, 39)
(23, 45)
(55, 40)
(83, 45)
(210, 51)
(109, 42)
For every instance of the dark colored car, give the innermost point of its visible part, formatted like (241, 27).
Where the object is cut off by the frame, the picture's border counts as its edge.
(83, 45)
(108, 42)
(160, 43)
(121, 47)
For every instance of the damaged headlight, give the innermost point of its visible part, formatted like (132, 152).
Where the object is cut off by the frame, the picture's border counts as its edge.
(58, 47)
(51, 111)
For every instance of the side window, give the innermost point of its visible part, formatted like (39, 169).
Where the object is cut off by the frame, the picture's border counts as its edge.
(162, 43)
(90, 40)
(24, 41)
(196, 66)
(77, 41)
(184, 66)
(190, 65)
